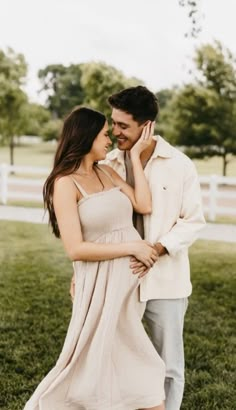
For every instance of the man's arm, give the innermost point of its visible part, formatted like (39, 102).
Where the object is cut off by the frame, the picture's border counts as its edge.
(161, 250)
(191, 219)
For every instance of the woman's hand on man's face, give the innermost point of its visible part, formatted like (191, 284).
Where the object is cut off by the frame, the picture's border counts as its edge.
(145, 140)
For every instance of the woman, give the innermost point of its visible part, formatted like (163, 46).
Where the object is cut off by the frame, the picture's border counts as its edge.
(107, 361)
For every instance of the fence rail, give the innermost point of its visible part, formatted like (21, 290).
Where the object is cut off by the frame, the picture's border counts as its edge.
(9, 183)
(217, 190)
(214, 188)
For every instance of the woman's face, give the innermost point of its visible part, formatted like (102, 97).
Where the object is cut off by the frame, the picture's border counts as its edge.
(101, 144)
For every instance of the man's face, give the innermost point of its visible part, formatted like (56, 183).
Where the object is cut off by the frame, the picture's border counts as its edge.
(126, 130)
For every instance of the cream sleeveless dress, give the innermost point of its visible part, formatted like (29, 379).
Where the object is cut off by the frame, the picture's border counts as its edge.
(107, 362)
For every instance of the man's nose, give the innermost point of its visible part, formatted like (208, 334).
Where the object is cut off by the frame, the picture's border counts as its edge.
(116, 130)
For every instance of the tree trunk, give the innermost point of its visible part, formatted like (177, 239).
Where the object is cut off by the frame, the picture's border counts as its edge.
(12, 151)
(225, 163)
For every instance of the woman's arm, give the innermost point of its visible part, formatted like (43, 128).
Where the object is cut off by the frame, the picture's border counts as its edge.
(65, 199)
(140, 196)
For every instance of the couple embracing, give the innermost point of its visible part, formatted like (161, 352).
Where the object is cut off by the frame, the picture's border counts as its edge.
(126, 219)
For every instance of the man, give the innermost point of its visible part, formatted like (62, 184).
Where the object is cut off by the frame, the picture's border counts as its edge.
(172, 227)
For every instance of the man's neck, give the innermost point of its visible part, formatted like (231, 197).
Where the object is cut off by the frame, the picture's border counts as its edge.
(147, 153)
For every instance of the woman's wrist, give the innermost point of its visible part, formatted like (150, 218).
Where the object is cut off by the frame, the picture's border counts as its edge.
(130, 248)
(135, 156)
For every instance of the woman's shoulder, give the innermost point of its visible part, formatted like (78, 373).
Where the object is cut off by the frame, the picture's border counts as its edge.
(63, 180)
(64, 183)
(65, 187)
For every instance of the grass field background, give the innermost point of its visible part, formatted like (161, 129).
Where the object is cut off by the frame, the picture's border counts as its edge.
(42, 155)
(36, 308)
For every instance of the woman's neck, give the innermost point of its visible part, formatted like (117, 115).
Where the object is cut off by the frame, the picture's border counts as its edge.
(86, 166)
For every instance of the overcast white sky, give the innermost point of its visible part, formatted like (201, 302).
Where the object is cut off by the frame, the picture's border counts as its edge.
(143, 38)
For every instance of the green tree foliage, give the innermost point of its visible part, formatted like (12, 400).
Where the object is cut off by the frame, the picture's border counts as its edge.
(203, 114)
(13, 70)
(86, 83)
(195, 16)
(100, 80)
(51, 129)
(164, 96)
(216, 66)
(164, 123)
(63, 88)
(36, 118)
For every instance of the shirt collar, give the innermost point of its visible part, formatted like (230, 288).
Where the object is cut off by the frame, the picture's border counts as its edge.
(162, 149)
(117, 154)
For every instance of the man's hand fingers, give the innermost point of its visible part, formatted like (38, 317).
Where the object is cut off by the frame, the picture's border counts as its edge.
(135, 265)
(147, 132)
(138, 271)
(141, 275)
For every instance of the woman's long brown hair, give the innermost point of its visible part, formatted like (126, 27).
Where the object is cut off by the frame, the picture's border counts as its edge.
(80, 129)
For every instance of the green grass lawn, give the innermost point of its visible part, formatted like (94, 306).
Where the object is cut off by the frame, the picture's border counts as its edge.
(35, 312)
(42, 155)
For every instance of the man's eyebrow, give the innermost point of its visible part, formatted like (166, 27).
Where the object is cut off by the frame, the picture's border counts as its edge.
(120, 123)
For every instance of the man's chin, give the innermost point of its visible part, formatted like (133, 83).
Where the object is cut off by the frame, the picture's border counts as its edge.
(124, 145)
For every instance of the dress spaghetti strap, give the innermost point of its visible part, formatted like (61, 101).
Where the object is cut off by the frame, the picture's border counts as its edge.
(79, 187)
(106, 173)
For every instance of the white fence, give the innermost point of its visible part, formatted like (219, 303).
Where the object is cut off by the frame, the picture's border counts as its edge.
(30, 188)
(214, 189)
(217, 191)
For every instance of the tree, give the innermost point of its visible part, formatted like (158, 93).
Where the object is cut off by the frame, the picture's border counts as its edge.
(13, 71)
(194, 14)
(36, 118)
(63, 88)
(203, 114)
(164, 96)
(216, 66)
(164, 123)
(51, 129)
(100, 80)
(88, 83)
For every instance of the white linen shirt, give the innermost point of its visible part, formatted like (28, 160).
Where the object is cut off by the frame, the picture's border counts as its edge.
(175, 220)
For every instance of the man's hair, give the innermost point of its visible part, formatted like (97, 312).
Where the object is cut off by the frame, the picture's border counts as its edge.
(138, 101)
